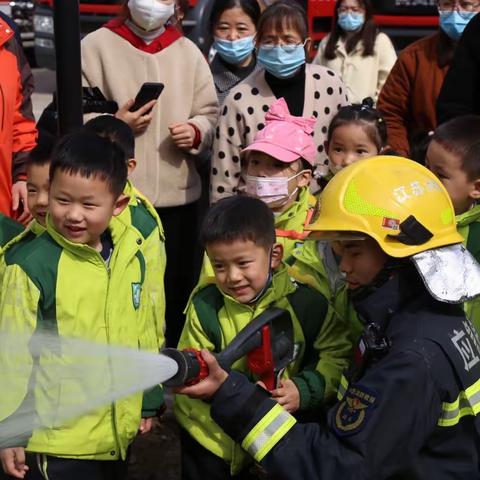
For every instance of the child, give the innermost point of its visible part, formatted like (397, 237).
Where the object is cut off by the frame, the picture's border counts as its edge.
(282, 44)
(140, 214)
(82, 278)
(454, 157)
(415, 383)
(140, 47)
(239, 237)
(356, 132)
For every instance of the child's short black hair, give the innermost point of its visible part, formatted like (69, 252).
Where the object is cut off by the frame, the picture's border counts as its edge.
(239, 218)
(115, 130)
(460, 136)
(42, 153)
(362, 114)
(90, 155)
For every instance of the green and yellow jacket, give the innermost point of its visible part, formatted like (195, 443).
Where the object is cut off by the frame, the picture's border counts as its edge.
(9, 229)
(68, 289)
(142, 215)
(314, 264)
(468, 225)
(213, 321)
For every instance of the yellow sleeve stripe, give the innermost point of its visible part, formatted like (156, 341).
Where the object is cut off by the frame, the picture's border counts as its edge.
(467, 403)
(342, 388)
(268, 432)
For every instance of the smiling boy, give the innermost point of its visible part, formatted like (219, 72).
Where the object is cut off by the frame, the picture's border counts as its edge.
(239, 236)
(82, 278)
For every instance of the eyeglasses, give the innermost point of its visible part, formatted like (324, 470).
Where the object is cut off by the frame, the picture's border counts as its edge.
(461, 5)
(286, 47)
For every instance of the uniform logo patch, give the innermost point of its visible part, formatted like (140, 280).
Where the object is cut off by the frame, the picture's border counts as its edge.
(136, 293)
(354, 410)
(392, 223)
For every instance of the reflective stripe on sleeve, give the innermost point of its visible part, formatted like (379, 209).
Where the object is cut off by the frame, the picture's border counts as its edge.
(467, 403)
(342, 388)
(268, 432)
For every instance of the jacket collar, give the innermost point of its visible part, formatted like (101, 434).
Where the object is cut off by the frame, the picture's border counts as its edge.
(293, 214)
(6, 32)
(117, 230)
(468, 217)
(390, 298)
(169, 36)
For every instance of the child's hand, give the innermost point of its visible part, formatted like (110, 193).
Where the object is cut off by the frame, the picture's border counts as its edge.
(145, 425)
(287, 395)
(138, 120)
(207, 388)
(183, 135)
(13, 462)
(19, 202)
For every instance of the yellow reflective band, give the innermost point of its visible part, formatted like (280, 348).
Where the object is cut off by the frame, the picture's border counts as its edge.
(268, 432)
(467, 403)
(342, 388)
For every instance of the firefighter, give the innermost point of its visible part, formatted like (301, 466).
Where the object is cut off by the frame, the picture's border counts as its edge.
(408, 408)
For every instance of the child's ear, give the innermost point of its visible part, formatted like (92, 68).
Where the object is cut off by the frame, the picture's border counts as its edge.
(475, 192)
(277, 255)
(131, 165)
(120, 204)
(304, 178)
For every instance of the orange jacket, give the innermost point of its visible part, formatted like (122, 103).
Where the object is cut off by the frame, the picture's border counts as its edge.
(408, 98)
(17, 124)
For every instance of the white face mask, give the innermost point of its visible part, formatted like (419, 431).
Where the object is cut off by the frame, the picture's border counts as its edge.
(150, 14)
(270, 189)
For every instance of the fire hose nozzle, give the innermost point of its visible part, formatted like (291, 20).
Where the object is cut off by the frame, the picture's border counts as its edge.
(268, 341)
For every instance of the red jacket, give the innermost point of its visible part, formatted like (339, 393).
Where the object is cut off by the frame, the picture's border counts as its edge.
(408, 98)
(17, 124)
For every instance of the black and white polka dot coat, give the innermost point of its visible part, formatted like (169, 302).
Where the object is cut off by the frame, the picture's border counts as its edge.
(243, 115)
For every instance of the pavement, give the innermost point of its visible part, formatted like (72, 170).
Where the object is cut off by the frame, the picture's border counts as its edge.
(45, 82)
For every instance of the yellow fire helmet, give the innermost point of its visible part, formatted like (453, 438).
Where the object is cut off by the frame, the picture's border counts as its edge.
(397, 202)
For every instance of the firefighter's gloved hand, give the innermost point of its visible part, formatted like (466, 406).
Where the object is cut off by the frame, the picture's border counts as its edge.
(207, 388)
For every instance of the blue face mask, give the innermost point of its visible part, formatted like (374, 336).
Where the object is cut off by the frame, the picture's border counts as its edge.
(454, 23)
(351, 21)
(279, 62)
(235, 51)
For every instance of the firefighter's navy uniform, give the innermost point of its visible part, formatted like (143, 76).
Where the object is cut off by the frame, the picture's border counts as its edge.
(410, 414)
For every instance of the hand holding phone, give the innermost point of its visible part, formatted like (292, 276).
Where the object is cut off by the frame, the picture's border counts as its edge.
(149, 91)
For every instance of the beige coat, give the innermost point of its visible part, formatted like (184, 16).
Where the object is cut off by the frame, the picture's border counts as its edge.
(363, 76)
(165, 174)
(243, 115)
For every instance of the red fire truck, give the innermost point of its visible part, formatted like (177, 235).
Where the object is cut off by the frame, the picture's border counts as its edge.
(403, 20)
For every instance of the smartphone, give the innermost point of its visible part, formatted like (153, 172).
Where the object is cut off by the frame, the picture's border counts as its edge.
(147, 93)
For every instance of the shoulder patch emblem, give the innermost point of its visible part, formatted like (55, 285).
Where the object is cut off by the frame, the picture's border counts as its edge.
(136, 293)
(354, 410)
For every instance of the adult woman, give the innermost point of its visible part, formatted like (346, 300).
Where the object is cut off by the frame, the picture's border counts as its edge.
(409, 95)
(141, 47)
(357, 51)
(309, 90)
(233, 26)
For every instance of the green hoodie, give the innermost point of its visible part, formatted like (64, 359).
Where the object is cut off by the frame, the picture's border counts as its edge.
(468, 225)
(213, 321)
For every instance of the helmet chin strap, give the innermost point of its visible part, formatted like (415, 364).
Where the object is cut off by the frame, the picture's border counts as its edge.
(267, 283)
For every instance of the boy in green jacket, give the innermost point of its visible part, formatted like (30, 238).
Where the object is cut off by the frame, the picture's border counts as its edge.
(82, 279)
(454, 157)
(239, 236)
(141, 214)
